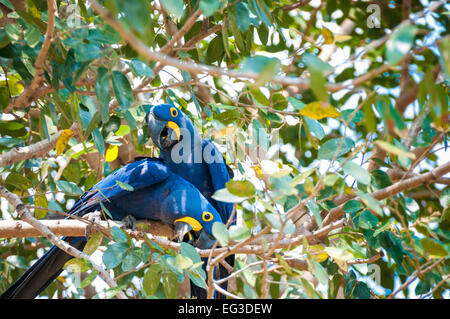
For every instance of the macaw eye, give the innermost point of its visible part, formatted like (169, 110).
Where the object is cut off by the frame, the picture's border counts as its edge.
(173, 112)
(207, 216)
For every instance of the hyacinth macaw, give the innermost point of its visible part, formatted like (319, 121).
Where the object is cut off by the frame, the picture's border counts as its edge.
(158, 194)
(196, 160)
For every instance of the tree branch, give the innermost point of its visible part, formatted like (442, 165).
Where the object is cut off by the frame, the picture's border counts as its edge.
(26, 216)
(75, 228)
(396, 188)
(36, 150)
(37, 83)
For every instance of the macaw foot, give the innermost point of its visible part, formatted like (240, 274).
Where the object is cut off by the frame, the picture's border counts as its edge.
(129, 222)
(93, 217)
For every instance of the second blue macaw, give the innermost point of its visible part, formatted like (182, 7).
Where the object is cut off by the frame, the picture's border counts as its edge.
(157, 194)
(196, 160)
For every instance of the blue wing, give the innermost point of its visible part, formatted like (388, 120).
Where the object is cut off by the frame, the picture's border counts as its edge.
(218, 171)
(139, 174)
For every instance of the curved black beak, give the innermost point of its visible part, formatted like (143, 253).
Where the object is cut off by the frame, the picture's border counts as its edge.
(183, 232)
(204, 241)
(168, 137)
(167, 133)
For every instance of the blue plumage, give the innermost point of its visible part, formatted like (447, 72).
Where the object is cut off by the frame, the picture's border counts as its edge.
(196, 160)
(187, 155)
(157, 194)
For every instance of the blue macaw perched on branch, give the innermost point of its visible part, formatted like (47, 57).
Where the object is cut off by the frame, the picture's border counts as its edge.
(157, 194)
(196, 160)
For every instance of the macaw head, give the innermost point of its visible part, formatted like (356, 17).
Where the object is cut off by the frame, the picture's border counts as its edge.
(167, 124)
(194, 217)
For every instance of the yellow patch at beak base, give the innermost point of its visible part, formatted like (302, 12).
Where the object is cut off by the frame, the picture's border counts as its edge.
(175, 128)
(196, 226)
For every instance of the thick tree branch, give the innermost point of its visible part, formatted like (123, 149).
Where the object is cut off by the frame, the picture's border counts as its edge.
(396, 188)
(37, 83)
(74, 228)
(26, 216)
(36, 150)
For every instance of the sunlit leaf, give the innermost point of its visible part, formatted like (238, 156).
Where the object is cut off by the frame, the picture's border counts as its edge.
(319, 110)
(111, 153)
(62, 140)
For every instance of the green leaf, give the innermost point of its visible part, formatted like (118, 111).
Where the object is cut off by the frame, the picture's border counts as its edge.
(434, 248)
(296, 103)
(19, 181)
(273, 219)
(69, 187)
(242, 16)
(131, 261)
(123, 130)
(239, 233)
(32, 35)
(329, 148)
(125, 186)
(318, 70)
(98, 140)
(196, 277)
(78, 265)
(208, 7)
(320, 272)
(308, 288)
(182, 262)
(392, 245)
(114, 255)
(315, 209)
(357, 172)
(141, 69)
(223, 195)
(370, 202)
(152, 279)
(40, 201)
(105, 210)
(315, 128)
(267, 68)
(89, 279)
(220, 232)
(86, 52)
(190, 252)
(4, 39)
(353, 206)
(380, 179)
(136, 13)
(122, 90)
(215, 50)
(241, 188)
(235, 30)
(119, 235)
(358, 116)
(394, 149)
(400, 43)
(102, 93)
(175, 7)
(18, 261)
(383, 226)
(361, 291)
(367, 220)
(4, 97)
(170, 285)
(93, 243)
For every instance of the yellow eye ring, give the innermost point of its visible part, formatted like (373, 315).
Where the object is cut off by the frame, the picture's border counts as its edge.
(207, 216)
(173, 112)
